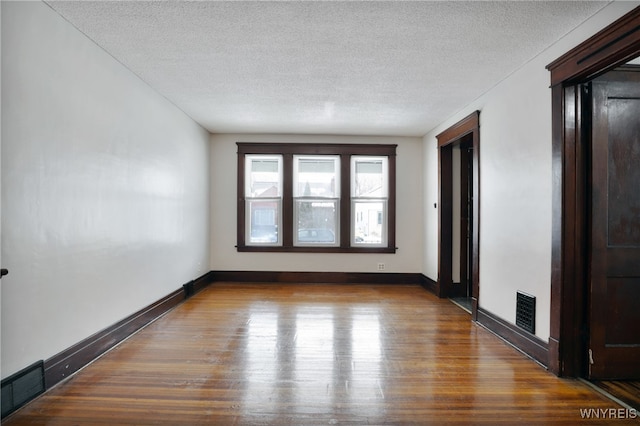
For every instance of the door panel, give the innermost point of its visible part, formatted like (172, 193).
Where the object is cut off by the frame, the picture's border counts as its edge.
(622, 296)
(624, 173)
(614, 337)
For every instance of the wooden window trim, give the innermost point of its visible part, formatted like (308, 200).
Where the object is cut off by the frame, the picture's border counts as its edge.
(288, 150)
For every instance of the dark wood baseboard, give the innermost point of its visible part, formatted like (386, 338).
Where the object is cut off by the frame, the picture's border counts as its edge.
(554, 357)
(67, 362)
(524, 341)
(428, 284)
(318, 277)
(197, 285)
(203, 281)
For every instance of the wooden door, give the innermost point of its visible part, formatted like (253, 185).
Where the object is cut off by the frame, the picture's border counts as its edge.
(614, 323)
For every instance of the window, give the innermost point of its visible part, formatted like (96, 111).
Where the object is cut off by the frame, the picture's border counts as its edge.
(263, 198)
(369, 196)
(316, 198)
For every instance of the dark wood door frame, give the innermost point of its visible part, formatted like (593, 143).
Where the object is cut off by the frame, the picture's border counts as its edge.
(468, 127)
(613, 46)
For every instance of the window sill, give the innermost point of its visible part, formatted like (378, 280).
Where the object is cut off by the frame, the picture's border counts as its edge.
(270, 249)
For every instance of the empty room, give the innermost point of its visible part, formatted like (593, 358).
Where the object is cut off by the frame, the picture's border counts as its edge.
(320, 212)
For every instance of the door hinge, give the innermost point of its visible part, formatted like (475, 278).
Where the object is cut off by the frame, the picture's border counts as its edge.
(591, 357)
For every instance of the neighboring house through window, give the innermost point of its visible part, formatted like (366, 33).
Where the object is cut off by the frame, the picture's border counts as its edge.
(316, 198)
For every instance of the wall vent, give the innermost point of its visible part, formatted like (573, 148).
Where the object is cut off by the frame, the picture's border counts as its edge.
(22, 387)
(526, 312)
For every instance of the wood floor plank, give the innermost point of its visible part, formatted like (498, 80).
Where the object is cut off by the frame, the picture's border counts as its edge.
(307, 354)
(627, 391)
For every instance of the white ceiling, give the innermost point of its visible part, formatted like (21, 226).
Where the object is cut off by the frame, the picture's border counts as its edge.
(328, 67)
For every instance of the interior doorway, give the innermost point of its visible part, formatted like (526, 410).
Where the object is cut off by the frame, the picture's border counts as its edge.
(462, 288)
(459, 191)
(612, 102)
(612, 320)
(578, 305)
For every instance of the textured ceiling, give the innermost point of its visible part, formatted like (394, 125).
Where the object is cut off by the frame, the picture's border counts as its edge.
(368, 68)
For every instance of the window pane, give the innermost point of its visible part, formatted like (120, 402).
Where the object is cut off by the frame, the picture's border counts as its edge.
(369, 176)
(264, 221)
(263, 176)
(316, 176)
(316, 222)
(369, 218)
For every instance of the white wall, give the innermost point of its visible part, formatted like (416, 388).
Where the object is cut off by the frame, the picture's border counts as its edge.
(408, 209)
(105, 189)
(515, 181)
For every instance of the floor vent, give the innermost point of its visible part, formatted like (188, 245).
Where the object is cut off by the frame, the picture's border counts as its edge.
(22, 387)
(526, 312)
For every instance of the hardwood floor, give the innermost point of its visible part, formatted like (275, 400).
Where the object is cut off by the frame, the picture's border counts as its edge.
(627, 391)
(276, 354)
